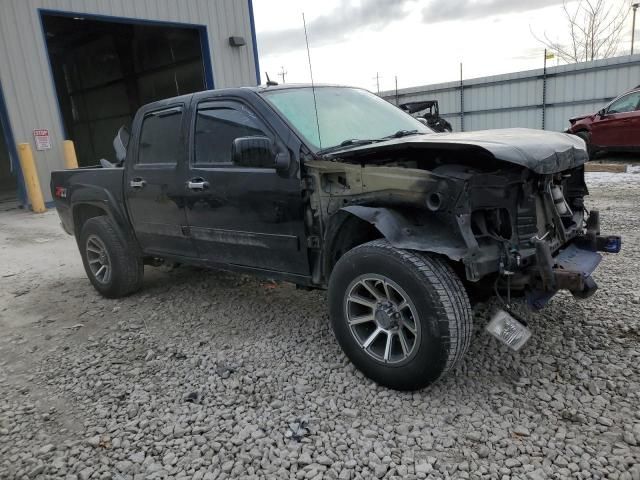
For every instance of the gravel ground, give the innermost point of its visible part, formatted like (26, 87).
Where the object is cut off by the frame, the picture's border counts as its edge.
(215, 375)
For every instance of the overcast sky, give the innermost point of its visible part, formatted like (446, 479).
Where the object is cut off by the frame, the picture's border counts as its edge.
(420, 41)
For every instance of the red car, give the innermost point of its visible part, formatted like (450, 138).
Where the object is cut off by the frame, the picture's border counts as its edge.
(616, 127)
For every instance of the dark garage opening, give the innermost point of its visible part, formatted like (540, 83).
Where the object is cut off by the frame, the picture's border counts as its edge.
(8, 181)
(104, 71)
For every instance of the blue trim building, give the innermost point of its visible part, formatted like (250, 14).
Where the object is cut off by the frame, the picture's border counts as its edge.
(33, 83)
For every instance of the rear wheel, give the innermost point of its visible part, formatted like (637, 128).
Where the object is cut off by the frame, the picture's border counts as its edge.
(402, 318)
(111, 263)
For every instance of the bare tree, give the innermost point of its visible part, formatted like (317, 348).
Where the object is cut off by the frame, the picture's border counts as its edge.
(595, 30)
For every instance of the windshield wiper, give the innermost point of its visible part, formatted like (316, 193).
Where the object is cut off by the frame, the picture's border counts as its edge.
(400, 134)
(361, 141)
(346, 143)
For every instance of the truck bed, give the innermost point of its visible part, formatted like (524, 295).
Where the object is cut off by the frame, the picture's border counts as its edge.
(95, 182)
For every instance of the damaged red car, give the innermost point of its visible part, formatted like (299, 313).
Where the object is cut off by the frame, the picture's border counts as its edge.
(613, 128)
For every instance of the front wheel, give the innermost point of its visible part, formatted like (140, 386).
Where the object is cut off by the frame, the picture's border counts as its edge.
(403, 318)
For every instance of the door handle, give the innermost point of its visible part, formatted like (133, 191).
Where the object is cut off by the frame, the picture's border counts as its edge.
(197, 184)
(137, 183)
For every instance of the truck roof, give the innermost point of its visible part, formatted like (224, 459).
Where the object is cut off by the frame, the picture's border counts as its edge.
(239, 91)
(285, 86)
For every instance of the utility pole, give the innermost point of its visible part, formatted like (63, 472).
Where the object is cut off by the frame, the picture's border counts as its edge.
(633, 25)
(461, 101)
(282, 73)
(544, 89)
(396, 90)
(377, 78)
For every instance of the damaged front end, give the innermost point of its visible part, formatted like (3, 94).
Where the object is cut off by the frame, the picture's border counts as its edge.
(511, 215)
(539, 234)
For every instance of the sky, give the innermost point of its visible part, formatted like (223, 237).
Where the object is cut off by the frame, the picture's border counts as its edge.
(418, 41)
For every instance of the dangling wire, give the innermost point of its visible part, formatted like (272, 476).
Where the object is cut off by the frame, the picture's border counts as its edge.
(507, 303)
(497, 292)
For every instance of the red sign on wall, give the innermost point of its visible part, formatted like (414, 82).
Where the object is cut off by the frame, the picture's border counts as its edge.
(42, 139)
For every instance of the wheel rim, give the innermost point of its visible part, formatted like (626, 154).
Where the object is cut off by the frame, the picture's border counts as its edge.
(382, 319)
(98, 259)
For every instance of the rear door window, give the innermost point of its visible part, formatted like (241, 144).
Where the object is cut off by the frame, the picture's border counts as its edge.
(161, 140)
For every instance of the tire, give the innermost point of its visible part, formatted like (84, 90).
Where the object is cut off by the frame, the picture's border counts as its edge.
(101, 246)
(584, 135)
(436, 307)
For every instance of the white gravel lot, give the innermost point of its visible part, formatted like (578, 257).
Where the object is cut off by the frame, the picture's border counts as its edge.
(210, 375)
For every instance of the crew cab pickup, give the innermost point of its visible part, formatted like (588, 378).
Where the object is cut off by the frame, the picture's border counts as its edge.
(332, 187)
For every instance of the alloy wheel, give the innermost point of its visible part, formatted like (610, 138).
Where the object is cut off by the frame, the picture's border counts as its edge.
(98, 258)
(382, 318)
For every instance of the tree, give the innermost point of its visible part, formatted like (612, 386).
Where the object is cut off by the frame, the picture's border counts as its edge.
(595, 30)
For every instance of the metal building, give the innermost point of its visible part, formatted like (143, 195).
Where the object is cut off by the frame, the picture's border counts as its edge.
(78, 69)
(543, 99)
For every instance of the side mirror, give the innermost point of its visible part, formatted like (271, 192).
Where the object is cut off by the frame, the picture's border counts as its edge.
(121, 142)
(283, 163)
(602, 112)
(257, 152)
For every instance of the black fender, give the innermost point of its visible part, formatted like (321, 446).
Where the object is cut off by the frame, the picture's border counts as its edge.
(96, 196)
(430, 235)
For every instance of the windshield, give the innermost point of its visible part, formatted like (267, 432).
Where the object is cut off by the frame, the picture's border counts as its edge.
(345, 115)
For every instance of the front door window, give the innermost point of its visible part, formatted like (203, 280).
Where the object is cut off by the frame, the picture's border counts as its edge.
(628, 103)
(217, 128)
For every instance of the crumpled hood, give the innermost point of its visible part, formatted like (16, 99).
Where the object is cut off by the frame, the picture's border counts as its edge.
(538, 150)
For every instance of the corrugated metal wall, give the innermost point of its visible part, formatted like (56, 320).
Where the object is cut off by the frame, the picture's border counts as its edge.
(25, 75)
(516, 99)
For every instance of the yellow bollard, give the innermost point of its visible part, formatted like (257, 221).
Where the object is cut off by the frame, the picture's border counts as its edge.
(30, 174)
(70, 159)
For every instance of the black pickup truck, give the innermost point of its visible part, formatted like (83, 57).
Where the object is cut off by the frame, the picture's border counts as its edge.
(332, 187)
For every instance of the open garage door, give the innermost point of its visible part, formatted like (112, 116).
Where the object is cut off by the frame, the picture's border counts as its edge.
(8, 182)
(8, 171)
(105, 70)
